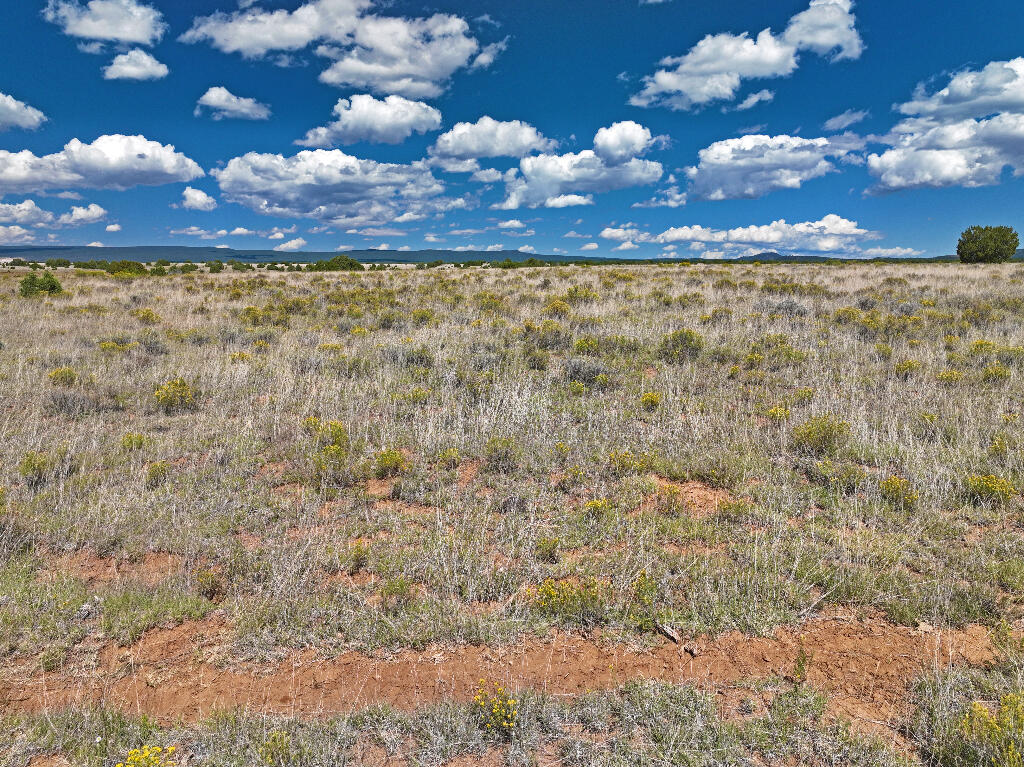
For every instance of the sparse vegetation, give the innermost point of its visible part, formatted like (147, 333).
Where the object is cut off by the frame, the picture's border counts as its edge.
(297, 464)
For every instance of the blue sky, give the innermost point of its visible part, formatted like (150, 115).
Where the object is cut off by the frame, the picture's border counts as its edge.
(638, 129)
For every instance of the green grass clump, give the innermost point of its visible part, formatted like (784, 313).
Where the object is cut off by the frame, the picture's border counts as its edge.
(130, 612)
(582, 604)
(681, 345)
(502, 455)
(389, 463)
(821, 435)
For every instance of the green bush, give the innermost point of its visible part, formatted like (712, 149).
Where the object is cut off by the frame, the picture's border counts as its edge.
(33, 284)
(36, 466)
(335, 264)
(65, 376)
(987, 245)
(176, 394)
(389, 463)
(569, 602)
(821, 435)
(681, 345)
(501, 454)
(157, 474)
(133, 441)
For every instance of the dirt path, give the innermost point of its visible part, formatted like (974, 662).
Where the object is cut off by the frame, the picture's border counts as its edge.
(170, 674)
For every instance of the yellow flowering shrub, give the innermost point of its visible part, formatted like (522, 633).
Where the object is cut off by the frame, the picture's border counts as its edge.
(176, 394)
(150, 756)
(581, 603)
(650, 401)
(497, 711)
(997, 737)
(950, 377)
(66, 377)
(990, 488)
(899, 492)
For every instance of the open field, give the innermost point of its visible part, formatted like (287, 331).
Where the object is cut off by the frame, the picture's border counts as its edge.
(694, 515)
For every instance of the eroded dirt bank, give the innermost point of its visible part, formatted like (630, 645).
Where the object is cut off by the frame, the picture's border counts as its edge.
(865, 665)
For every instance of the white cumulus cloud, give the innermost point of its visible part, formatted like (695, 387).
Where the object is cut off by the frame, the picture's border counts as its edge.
(222, 103)
(553, 180)
(118, 21)
(413, 57)
(488, 137)
(569, 201)
(831, 234)
(197, 199)
(334, 187)
(255, 32)
(754, 165)
(80, 216)
(18, 114)
(622, 141)
(964, 134)
(390, 120)
(26, 213)
(892, 252)
(715, 68)
(110, 162)
(292, 245)
(15, 235)
(137, 64)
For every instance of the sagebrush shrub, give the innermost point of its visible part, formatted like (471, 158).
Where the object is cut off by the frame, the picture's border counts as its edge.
(65, 376)
(681, 345)
(176, 394)
(989, 488)
(821, 435)
(501, 454)
(389, 463)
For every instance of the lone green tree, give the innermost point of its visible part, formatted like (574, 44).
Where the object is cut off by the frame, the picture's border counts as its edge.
(987, 245)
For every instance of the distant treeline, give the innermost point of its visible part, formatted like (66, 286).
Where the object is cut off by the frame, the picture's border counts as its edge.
(344, 263)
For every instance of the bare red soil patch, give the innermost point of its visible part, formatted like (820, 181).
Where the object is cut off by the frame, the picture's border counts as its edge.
(49, 760)
(467, 472)
(153, 568)
(696, 498)
(406, 507)
(865, 665)
(380, 488)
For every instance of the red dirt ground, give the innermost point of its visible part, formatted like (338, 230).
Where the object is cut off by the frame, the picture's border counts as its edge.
(864, 664)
